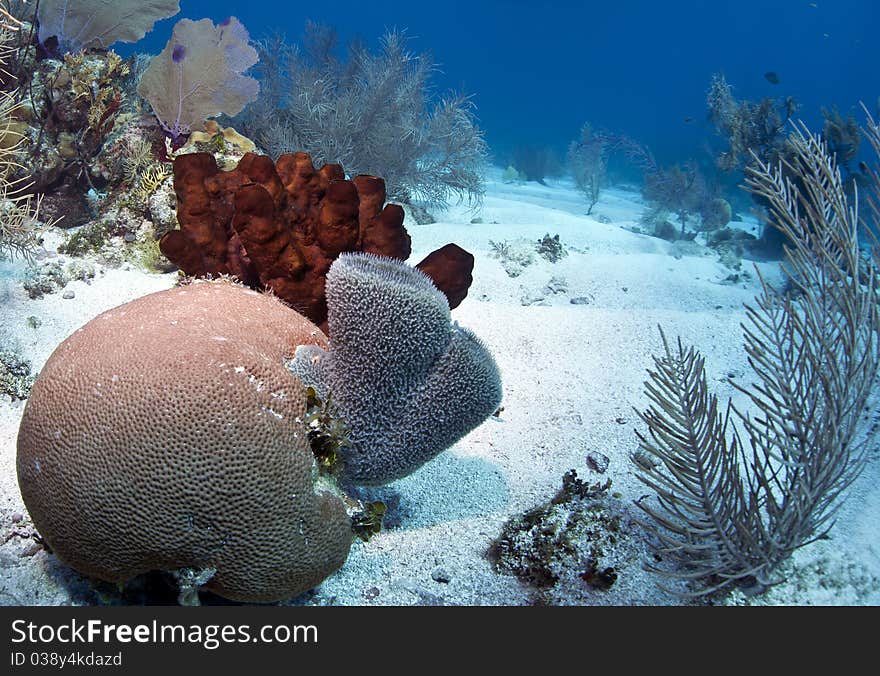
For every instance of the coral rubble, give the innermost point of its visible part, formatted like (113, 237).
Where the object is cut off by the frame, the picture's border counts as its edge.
(575, 534)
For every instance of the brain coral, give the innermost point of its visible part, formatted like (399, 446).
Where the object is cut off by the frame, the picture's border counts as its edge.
(167, 433)
(406, 381)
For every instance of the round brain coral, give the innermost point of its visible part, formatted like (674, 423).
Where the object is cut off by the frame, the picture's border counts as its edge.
(167, 434)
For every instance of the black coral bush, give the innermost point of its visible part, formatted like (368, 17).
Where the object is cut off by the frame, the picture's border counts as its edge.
(734, 501)
(587, 160)
(372, 113)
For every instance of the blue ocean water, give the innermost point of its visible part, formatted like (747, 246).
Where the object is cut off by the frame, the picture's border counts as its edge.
(537, 70)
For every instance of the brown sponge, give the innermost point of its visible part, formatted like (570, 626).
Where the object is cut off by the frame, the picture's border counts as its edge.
(280, 225)
(167, 433)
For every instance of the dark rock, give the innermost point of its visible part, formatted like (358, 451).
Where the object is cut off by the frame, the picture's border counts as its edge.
(441, 575)
(597, 462)
(580, 524)
(32, 549)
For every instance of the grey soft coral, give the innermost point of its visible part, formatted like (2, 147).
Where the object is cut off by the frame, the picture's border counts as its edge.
(407, 382)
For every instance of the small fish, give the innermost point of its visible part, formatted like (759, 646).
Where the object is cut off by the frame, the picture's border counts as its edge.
(688, 120)
(814, 5)
(771, 77)
(864, 168)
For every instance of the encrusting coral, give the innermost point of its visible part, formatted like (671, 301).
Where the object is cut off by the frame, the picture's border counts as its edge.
(407, 382)
(281, 225)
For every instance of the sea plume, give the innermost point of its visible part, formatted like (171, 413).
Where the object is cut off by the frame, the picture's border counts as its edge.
(730, 512)
(373, 114)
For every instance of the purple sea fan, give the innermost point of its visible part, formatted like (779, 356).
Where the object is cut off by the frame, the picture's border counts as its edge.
(199, 75)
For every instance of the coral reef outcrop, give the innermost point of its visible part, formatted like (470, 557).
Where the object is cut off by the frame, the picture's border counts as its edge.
(76, 103)
(188, 431)
(572, 545)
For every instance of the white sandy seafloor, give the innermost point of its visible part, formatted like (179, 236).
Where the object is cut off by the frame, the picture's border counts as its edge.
(571, 373)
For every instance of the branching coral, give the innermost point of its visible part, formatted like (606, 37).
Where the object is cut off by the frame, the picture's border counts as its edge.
(9, 21)
(137, 158)
(96, 84)
(140, 170)
(842, 136)
(587, 160)
(748, 127)
(150, 179)
(684, 190)
(731, 513)
(677, 189)
(71, 107)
